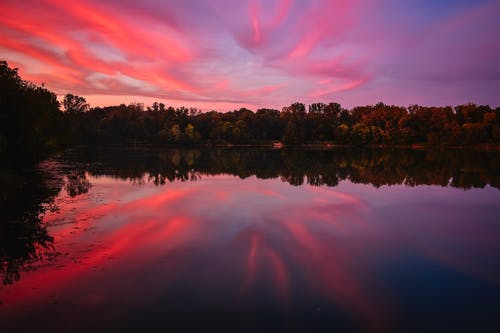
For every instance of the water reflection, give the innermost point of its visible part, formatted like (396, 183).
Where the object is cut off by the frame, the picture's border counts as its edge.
(24, 239)
(456, 168)
(174, 234)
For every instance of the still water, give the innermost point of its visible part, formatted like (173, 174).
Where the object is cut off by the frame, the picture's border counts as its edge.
(253, 240)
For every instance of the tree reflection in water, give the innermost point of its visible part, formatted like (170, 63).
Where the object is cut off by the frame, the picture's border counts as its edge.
(25, 241)
(456, 168)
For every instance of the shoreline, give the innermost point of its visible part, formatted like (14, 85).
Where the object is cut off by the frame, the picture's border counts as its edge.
(272, 145)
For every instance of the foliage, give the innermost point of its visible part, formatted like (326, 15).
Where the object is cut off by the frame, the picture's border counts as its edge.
(379, 124)
(75, 104)
(31, 121)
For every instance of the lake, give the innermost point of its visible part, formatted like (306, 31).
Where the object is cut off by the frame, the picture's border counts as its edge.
(345, 240)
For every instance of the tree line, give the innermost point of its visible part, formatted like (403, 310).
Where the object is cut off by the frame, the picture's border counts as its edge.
(378, 124)
(32, 120)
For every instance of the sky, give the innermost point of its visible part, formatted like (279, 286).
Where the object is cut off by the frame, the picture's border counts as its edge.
(227, 54)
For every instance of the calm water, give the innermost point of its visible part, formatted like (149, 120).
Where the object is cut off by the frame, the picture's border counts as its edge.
(257, 240)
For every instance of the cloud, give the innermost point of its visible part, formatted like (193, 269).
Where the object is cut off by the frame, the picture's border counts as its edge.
(255, 53)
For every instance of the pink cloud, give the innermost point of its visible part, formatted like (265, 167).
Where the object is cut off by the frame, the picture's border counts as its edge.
(222, 54)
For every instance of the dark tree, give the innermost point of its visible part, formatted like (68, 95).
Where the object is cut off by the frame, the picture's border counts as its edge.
(75, 104)
(30, 120)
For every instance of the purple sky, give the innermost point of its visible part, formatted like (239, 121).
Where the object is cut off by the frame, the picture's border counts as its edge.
(226, 54)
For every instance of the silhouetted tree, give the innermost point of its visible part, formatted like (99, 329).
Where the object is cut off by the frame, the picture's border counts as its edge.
(31, 119)
(75, 104)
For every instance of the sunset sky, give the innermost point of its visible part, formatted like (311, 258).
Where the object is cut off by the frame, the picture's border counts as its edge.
(227, 54)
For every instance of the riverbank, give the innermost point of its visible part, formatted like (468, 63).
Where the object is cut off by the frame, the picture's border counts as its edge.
(280, 145)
